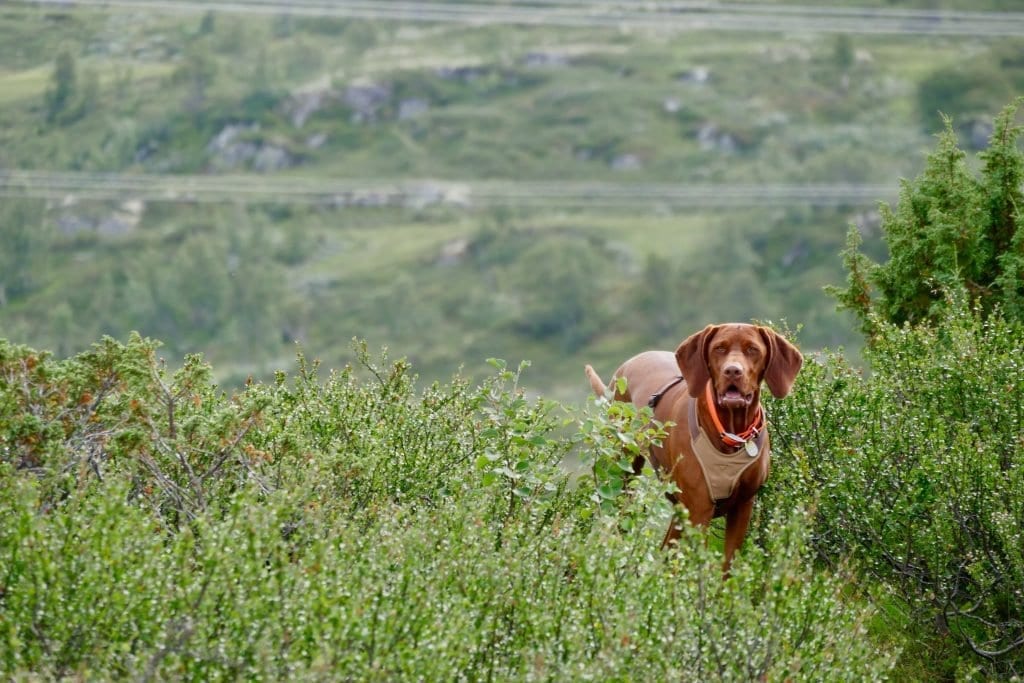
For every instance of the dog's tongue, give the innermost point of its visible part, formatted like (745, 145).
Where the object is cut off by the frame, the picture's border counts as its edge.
(733, 395)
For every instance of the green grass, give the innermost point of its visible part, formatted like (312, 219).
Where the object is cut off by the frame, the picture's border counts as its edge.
(17, 87)
(20, 85)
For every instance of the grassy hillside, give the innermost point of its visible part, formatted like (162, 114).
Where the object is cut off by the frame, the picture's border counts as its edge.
(288, 97)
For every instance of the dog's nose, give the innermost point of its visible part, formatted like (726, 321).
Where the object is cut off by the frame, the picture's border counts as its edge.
(732, 371)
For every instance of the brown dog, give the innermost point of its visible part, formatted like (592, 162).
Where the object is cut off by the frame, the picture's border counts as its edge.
(717, 453)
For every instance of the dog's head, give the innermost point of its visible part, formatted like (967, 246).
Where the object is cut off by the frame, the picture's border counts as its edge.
(735, 358)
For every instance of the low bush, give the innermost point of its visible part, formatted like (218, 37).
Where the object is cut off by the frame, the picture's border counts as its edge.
(916, 471)
(353, 527)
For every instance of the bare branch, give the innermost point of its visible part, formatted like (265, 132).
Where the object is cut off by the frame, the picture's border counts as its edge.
(225, 452)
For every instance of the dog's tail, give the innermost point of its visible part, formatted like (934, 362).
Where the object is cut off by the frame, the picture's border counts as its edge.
(596, 383)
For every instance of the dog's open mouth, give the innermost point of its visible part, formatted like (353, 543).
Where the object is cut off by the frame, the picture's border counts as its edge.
(732, 397)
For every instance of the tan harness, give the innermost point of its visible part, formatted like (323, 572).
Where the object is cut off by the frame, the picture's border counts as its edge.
(721, 470)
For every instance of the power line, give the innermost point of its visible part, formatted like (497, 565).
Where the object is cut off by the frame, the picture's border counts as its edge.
(338, 193)
(677, 16)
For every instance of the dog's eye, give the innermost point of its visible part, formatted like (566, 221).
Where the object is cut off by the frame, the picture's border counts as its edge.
(753, 351)
(721, 349)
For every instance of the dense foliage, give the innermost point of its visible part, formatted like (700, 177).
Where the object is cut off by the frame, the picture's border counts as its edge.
(916, 471)
(356, 528)
(950, 232)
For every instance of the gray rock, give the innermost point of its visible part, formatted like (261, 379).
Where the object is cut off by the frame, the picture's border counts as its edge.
(366, 100)
(545, 59)
(626, 162)
(308, 100)
(698, 74)
(709, 137)
(70, 224)
(454, 252)
(272, 158)
(120, 221)
(230, 150)
(146, 150)
(412, 108)
(229, 136)
(316, 141)
(301, 106)
(114, 225)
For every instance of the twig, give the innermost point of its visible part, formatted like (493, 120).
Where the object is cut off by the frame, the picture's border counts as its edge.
(225, 452)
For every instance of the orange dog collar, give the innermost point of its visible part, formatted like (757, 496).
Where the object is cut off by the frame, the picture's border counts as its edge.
(744, 437)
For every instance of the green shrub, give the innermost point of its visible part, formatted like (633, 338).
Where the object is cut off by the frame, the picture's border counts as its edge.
(917, 471)
(949, 232)
(356, 528)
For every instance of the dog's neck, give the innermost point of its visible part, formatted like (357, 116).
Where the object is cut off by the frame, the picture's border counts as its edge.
(733, 420)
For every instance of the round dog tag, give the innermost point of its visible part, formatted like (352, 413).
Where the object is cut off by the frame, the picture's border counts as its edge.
(751, 448)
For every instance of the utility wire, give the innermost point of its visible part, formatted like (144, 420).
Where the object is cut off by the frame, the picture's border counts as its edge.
(675, 16)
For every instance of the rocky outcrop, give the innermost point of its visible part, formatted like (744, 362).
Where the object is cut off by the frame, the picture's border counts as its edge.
(367, 100)
(120, 220)
(240, 146)
(412, 108)
(308, 100)
(711, 138)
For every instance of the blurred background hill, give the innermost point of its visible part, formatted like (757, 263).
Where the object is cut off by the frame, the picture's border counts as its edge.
(558, 181)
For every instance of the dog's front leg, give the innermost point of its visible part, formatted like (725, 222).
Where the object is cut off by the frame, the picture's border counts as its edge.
(736, 522)
(699, 515)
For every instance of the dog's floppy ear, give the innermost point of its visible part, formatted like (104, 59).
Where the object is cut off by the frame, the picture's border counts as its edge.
(692, 358)
(784, 362)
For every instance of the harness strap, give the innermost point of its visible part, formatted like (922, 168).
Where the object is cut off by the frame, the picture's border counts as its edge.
(721, 470)
(657, 396)
(694, 426)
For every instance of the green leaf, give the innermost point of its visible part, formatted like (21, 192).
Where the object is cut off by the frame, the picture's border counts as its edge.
(625, 464)
(610, 489)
